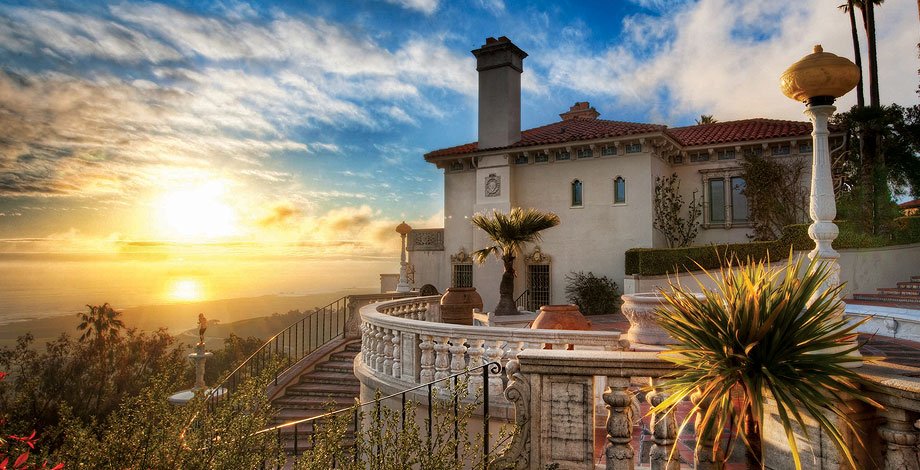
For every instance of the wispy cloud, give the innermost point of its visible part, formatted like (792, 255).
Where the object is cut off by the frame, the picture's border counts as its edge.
(425, 6)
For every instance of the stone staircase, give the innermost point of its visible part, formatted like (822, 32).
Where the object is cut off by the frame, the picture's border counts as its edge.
(905, 295)
(331, 383)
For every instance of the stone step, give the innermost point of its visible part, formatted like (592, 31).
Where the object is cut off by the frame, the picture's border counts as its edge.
(909, 285)
(915, 278)
(328, 377)
(887, 298)
(344, 389)
(898, 291)
(353, 347)
(337, 366)
(348, 356)
(312, 403)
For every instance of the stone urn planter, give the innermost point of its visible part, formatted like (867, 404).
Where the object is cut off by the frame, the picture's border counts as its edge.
(457, 305)
(560, 317)
(640, 309)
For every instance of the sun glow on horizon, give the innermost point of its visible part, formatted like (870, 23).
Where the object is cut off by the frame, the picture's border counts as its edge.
(185, 290)
(196, 213)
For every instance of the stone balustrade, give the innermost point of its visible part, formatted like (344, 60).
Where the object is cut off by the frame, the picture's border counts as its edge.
(403, 344)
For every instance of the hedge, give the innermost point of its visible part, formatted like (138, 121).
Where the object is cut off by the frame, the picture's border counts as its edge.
(657, 261)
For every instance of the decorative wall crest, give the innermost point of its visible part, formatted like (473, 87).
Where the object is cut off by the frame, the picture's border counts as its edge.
(461, 257)
(493, 185)
(537, 257)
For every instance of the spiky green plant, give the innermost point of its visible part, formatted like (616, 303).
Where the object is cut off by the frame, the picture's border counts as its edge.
(510, 232)
(762, 332)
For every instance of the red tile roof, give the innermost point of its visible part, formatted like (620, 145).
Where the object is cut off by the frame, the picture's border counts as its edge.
(910, 204)
(559, 132)
(739, 131)
(586, 129)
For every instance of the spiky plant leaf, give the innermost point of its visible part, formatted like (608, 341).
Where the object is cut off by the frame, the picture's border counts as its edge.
(763, 332)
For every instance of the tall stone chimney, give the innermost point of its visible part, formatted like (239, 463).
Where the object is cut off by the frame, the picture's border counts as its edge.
(500, 64)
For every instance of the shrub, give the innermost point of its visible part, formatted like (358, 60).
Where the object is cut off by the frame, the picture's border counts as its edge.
(593, 295)
(657, 261)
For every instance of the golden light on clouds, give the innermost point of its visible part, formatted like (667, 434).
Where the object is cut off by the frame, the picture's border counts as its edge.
(196, 213)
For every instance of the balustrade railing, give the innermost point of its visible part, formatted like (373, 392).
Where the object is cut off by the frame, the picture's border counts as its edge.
(402, 344)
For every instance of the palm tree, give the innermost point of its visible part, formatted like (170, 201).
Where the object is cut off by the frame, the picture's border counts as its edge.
(100, 323)
(762, 332)
(849, 7)
(706, 119)
(509, 233)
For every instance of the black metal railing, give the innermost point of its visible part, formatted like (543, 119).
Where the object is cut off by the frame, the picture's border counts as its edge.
(523, 301)
(288, 346)
(487, 369)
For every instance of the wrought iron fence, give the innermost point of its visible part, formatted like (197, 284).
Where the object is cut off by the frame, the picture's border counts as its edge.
(493, 369)
(288, 346)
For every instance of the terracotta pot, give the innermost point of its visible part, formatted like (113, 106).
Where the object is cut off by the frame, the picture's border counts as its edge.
(560, 317)
(457, 305)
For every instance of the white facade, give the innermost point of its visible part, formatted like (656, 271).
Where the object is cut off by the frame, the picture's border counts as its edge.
(595, 234)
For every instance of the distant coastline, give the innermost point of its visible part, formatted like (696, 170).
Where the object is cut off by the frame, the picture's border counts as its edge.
(179, 317)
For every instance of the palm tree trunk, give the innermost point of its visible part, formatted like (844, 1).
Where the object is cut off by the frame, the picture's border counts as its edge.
(873, 58)
(857, 55)
(506, 304)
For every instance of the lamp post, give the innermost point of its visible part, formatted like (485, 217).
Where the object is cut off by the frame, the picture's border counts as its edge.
(817, 80)
(403, 229)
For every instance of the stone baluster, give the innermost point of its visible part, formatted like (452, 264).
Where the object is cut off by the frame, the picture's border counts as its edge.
(396, 341)
(619, 450)
(379, 355)
(457, 355)
(371, 346)
(900, 438)
(426, 360)
(365, 342)
(662, 455)
(704, 458)
(387, 351)
(441, 359)
(475, 351)
(494, 352)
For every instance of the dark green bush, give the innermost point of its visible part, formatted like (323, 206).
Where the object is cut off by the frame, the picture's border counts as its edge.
(657, 261)
(593, 295)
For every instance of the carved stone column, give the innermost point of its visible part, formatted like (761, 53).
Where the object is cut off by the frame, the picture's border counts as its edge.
(427, 359)
(619, 450)
(901, 439)
(703, 459)
(441, 359)
(664, 431)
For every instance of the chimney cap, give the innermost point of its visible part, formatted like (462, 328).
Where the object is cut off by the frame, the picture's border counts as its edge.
(580, 110)
(494, 47)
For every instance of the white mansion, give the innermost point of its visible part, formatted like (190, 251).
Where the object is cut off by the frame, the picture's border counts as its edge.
(597, 175)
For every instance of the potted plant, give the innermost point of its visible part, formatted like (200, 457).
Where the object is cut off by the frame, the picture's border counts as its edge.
(762, 333)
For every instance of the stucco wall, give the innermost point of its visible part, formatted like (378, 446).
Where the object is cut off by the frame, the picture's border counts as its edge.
(459, 200)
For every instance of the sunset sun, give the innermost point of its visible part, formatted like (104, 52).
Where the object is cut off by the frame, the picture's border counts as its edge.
(196, 213)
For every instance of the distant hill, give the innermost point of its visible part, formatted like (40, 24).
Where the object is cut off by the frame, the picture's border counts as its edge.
(231, 315)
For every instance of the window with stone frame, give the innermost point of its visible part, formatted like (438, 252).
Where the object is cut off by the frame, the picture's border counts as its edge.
(699, 157)
(619, 190)
(781, 149)
(456, 166)
(540, 157)
(634, 147)
(726, 154)
(725, 202)
(562, 155)
(521, 160)
(585, 153)
(461, 269)
(538, 282)
(577, 190)
(608, 150)
(805, 148)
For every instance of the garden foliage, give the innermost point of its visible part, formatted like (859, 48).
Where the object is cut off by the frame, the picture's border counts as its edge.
(592, 294)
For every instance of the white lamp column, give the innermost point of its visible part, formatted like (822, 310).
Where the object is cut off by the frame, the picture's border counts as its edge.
(403, 286)
(818, 79)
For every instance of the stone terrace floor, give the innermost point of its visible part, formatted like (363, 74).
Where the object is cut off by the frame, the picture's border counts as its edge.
(894, 350)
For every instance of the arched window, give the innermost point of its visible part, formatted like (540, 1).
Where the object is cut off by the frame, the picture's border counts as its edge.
(619, 190)
(576, 193)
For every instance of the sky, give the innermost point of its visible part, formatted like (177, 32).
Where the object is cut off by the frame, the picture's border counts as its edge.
(298, 128)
